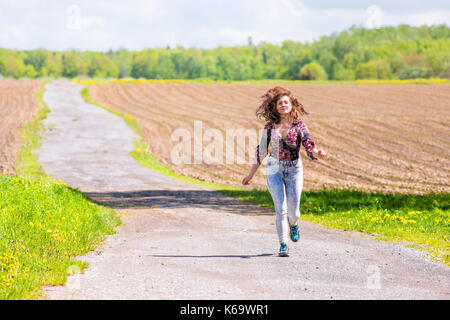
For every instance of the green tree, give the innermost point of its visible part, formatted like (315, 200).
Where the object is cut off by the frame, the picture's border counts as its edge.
(329, 62)
(209, 69)
(349, 60)
(73, 64)
(194, 67)
(123, 59)
(29, 72)
(439, 63)
(36, 58)
(413, 72)
(396, 62)
(383, 68)
(53, 66)
(271, 61)
(343, 44)
(342, 73)
(293, 57)
(366, 71)
(225, 65)
(14, 67)
(179, 61)
(3, 62)
(144, 64)
(388, 52)
(313, 71)
(101, 66)
(165, 68)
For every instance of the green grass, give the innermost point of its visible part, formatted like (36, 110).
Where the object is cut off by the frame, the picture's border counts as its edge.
(44, 223)
(27, 163)
(421, 220)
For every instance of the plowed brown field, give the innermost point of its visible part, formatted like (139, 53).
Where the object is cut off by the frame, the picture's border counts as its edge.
(389, 138)
(17, 105)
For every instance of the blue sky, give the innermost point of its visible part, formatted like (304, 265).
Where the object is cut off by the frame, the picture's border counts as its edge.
(137, 24)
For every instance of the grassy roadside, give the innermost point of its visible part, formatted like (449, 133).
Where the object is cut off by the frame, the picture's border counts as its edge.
(27, 163)
(141, 152)
(421, 220)
(44, 223)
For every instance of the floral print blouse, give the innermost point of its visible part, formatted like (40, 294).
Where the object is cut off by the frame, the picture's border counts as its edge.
(288, 147)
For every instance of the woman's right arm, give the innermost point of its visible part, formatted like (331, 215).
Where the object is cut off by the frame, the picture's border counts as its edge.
(253, 170)
(260, 153)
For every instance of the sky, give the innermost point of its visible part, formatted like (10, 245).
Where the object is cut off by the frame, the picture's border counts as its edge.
(101, 25)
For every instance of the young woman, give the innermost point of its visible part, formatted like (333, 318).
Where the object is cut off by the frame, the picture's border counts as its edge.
(285, 133)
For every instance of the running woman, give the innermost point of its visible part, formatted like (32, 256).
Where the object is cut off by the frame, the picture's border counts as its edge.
(285, 132)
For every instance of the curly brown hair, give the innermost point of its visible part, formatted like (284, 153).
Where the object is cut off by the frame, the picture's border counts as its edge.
(268, 108)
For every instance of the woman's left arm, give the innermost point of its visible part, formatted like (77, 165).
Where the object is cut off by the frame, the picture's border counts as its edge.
(310, 146)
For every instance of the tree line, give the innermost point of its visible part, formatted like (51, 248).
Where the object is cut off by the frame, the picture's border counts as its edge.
(402, 52)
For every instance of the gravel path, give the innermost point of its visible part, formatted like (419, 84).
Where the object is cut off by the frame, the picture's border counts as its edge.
(182, 241)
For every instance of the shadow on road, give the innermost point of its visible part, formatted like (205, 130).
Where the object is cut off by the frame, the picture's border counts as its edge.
(205, 199)
(213, 256)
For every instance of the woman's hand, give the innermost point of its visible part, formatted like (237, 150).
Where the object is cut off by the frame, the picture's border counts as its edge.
(319, 152)
(253, 170)
(247, 179)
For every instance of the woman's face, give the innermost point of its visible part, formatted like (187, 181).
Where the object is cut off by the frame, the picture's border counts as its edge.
(284, 106)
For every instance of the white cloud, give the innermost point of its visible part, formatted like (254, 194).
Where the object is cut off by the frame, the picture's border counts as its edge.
(13, 37)
(150, 9)
(296, 8)
(139, 24)
(92, 21)
(18, 4)
(240, 37)
(416, 19)
(98, 40)
(77, 20)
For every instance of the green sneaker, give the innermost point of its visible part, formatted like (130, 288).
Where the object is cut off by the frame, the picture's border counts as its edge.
(294, 233)
(284, 250)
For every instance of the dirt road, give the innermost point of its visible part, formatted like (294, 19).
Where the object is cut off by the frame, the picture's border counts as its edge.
(181, 241)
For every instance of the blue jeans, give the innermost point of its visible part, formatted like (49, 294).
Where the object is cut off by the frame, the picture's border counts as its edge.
(285, 183)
